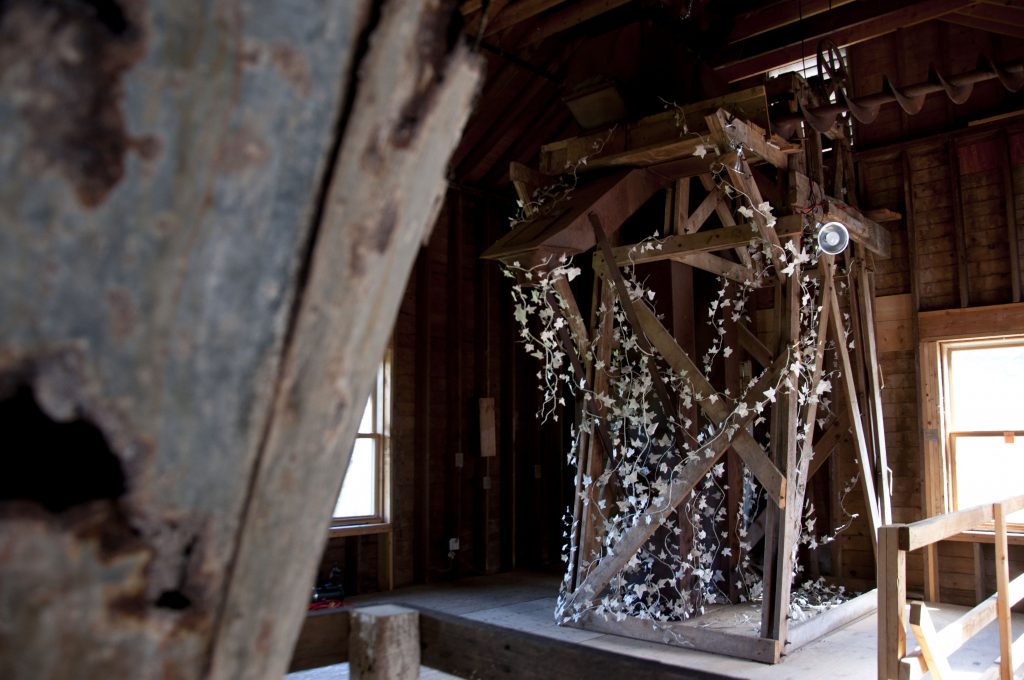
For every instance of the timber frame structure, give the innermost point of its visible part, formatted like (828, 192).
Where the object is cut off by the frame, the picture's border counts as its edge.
(727, 152)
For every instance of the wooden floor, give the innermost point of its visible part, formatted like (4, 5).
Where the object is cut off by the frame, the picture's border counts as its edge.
(526, 601)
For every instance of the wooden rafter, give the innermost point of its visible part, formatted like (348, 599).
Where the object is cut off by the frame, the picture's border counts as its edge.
(846, 25)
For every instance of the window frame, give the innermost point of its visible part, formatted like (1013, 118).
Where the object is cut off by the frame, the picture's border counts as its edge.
(381, 401)
(946, 348)
(936, 329)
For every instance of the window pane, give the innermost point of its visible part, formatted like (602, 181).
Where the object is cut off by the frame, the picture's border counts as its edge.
(989, 470)
(358, 492)
(366, 424)
(987, 389)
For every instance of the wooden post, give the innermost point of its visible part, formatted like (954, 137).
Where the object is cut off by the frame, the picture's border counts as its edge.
(1003, 602)
(384, 643)
(866, 298)
(927, 639)
(784, 423)
(890, 572)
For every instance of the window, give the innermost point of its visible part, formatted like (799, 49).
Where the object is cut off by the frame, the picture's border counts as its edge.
(984, 420)
(364, 499)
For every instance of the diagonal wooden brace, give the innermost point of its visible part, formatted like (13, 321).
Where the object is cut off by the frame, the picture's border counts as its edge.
(662, 507)
(773, 481)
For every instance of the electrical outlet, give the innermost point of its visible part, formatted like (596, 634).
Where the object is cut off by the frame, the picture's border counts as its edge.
(453, 544)
(458, 459)
(487, 483)
(537, 471)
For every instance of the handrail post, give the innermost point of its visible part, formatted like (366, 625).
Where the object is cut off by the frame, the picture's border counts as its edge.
(1003, 594)
(890, 572)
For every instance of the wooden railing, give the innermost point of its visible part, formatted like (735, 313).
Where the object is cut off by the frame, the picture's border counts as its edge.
(935, 647)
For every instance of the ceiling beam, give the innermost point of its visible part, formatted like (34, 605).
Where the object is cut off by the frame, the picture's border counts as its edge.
(569, 17)
(982, 21)
(852, 23)
(777, 15)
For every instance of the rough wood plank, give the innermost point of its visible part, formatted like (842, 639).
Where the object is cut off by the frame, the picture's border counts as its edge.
(1003, 600)
(717, 265)
(688, 635)
(701, 242)
(865, 304)
(323, 640)
(778, 577)
(933, 529)
(376, 216)
(973, 322)
(863, 230)
(959, 240)
(614, 199)
(826, 622)
(469, 649)
(653, 139)
(850, 395)
(892, 601)
(924, 631)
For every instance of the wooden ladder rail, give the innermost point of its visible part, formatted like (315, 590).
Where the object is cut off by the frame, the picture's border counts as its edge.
(894, 542)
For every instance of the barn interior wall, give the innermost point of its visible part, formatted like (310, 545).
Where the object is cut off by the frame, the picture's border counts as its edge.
(453, 344)
(929, 167)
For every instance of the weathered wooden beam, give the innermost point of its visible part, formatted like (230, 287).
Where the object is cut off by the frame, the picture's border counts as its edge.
(850, 395)
(923, 629)
(717, 265)
(700, 242)
(725, 216)
(891, 570)
(374, 219)
(468, 649)
(730, 132)
(783, 523)
(743, 180)
(571, 15)
(753, 346)
(982, 23)
(323, 640)
(568, 231)
(687, 634)
(653, 139)
(776, 15)
(1013, 229)
(526, 180)
(710, 204)
(973, 322)
(865, 303)
(959, 235)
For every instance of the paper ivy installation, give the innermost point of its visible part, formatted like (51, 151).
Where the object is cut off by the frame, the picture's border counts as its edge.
(664, 534)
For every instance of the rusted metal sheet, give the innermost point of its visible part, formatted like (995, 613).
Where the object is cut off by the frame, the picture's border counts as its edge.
(164, 172)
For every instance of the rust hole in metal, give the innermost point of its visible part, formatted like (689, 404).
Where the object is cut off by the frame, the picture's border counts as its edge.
(59, 465)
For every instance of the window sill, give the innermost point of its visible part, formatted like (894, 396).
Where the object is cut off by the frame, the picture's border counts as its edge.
(343, 530)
